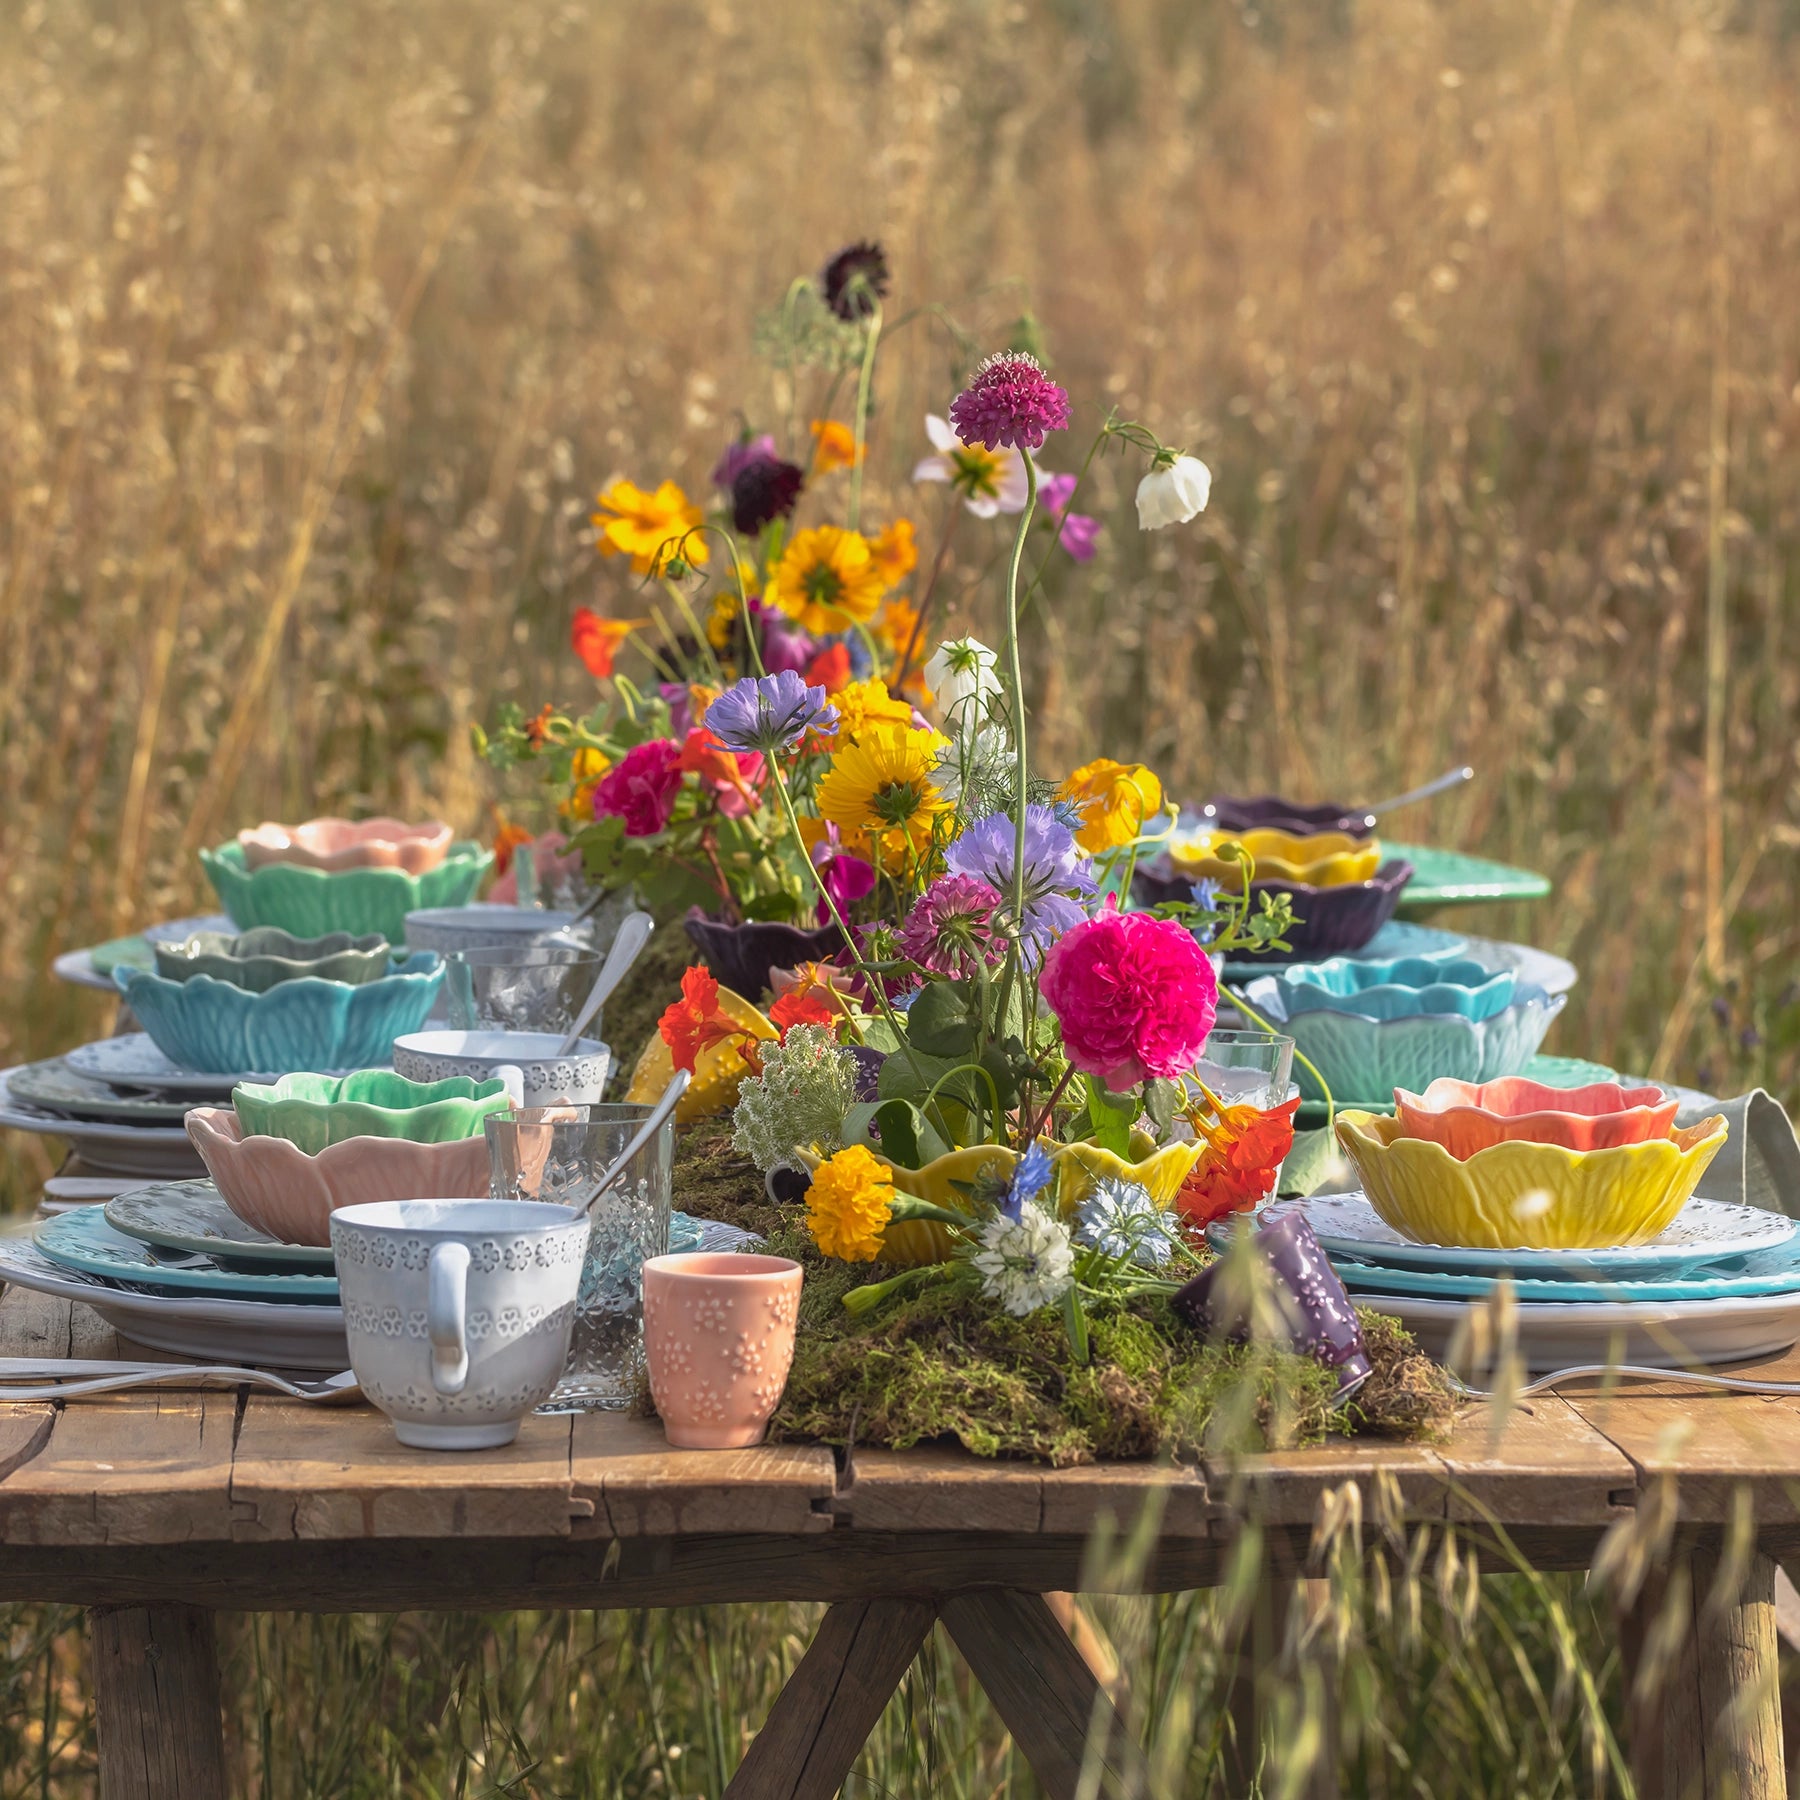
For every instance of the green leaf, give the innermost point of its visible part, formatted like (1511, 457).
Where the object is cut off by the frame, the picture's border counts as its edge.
(777, 905)
(940, 1021)
(906, 1134)
(878, 1034)
(1075, 1321)
(1159, 1103)
(857, 1121)
(1111, 1116)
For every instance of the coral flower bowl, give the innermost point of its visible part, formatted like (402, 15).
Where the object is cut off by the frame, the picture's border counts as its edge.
(1467, 1117)
(1523, 1196)
(334, 844)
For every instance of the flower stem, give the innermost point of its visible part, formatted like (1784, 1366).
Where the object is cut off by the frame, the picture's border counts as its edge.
(1016, 675)
(864, 382)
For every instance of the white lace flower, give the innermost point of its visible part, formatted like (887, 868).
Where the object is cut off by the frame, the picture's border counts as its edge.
(1119, 1218)
(990, 481)
(807, 1084)
(1025, 1262)
(1172, 494)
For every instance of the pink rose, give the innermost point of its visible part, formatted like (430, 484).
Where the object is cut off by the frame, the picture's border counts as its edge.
(1135, 996)
(642, 789)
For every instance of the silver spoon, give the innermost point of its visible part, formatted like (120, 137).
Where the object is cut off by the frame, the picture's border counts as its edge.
(633, 933)
(678, 1086)
(1449, 779)
(111, 1378)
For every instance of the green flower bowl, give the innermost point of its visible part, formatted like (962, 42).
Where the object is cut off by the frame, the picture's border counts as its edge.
(312, 903)
(314, 1111)
(263, 958)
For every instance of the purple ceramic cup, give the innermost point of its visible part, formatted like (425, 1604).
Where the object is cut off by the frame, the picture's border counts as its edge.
(1320, 1321)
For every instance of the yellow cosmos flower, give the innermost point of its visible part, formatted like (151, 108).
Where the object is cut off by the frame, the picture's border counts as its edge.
(835, 446)
(827, 579)
(862, 704)
(895, 553)
(586, 767)
(1117, 800)
(882, 785)
(849, 1204)
(647, 527)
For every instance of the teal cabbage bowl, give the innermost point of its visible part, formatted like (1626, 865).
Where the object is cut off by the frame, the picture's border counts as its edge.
(311, 903)
(211, 1025)
(1397, 990)
(312, 1111)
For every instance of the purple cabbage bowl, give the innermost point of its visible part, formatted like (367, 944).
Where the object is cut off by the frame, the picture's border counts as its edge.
(742, 954)
(1270, 812)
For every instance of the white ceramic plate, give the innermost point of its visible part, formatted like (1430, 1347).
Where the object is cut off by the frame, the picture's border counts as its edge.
(260, 1333)
(1704, 1231)
(77, 966)
(1533, 967)
(133, 1061)
(148, 1151)
(1668, 1334)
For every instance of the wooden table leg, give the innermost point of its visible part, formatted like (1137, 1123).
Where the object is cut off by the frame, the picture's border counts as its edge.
(156, 1703)
(1711, 1728)
(1045, 1692)
(822, 1718)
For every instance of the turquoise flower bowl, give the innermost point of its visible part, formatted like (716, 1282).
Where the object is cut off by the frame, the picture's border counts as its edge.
(1363, 1060)
(206, 1024)
(1397, 990)
(313, 1111)
(311, 903)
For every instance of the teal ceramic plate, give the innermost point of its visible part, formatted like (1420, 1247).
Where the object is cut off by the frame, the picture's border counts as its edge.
(84, 1241)
(1703, 1232)
(57, 1088)
(1448, 878)
(1764, 1272)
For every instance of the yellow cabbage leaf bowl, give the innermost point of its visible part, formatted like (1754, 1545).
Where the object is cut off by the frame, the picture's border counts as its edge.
(1159, 1172)
(1526, 1196)
(1326, 859)
(719, 1070)
(944, 1181)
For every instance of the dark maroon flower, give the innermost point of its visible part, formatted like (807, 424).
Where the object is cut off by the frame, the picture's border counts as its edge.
(765, 489)
(854, 280)
(1011, 402)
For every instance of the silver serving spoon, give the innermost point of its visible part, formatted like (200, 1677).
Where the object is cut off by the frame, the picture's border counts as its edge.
(1449, 779)
(24, 1378)
(645, 1132)
(633, 933)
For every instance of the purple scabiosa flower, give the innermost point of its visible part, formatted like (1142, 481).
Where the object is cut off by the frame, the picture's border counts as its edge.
(761, 485)
(784, 644)
(1075, 531)
(738, 455)
(1058, 879)
(769, 713)
(1011, 402)
(950, 928)
(1029, 1180)
(855, 281)
(679, 698)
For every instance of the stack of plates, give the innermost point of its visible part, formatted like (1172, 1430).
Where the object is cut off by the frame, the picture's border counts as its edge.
(1720, 1284)
(171, 1266)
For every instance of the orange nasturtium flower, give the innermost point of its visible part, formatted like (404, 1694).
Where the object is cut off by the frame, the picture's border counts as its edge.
(830, 669)
(694, 1022)
(895, 553)
(597, 640)
(1116, 801)
(1244, 1152)
(649, 528)
(836, 446)
(508, 838)
(795, 1008)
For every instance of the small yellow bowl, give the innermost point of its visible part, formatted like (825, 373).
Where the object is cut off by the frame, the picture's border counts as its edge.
(1326, 859)
(1159, 1172)
(1526, 1196)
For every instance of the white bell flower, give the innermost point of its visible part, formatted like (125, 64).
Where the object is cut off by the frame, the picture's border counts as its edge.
(1173, 493)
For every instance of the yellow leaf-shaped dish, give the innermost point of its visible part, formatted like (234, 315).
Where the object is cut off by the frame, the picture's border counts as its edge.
(719, 1070)
(1160, 1172)
(1526, 1196)
(1326, 859)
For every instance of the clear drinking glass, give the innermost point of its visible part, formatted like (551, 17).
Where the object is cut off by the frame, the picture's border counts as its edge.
(559, 1153)
(1247, 1068)
(518, 987)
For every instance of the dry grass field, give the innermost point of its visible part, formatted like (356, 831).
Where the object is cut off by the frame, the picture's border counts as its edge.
(321, 321)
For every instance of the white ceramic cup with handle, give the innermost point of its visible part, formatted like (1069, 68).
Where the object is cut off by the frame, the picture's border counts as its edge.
(458, 1312)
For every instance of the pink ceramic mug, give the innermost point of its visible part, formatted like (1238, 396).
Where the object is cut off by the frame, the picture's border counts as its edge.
(719, 1337)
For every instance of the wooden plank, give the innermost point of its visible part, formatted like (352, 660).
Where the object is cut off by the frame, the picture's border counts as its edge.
(639, 1486)
(1539, 1463)
(136, 1468)
(1285, 1487)
(306, 1472)
(823, 1716)
(156, 1704)
(1046, 1694)
(1078, 1500)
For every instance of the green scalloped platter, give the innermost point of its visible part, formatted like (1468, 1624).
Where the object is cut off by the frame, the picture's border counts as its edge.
(1449, 878)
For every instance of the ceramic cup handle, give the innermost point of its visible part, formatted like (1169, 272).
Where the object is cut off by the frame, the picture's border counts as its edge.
(446, 1307)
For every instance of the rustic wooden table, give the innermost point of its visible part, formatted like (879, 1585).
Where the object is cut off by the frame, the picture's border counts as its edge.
(157, 1509)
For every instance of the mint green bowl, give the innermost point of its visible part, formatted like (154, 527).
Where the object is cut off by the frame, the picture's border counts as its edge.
(313, 1111)
(311, 903)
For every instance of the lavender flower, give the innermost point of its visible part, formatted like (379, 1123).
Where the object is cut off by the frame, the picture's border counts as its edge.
(1057, 876)
(769, 713)
(1205, 893)
(1011, 402)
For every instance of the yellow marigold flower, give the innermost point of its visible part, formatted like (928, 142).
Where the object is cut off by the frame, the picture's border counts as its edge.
(1116, 800)
(861, 704)
(849, 1204)
(895, 553)
(894, 629)
(724, 618)
(826, 579)
(835, 446)
(882, 785)
(647, 527)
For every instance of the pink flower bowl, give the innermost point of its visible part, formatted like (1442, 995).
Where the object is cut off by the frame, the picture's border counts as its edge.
(278, 1188)
(1468, 1117)
(719, 1339)
(336, 844)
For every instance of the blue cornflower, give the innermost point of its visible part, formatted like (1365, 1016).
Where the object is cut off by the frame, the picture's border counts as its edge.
(769, 713)
(1206, 894)
(1029, 1180)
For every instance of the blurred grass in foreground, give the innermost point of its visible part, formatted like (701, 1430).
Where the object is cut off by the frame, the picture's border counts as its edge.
(321, 321)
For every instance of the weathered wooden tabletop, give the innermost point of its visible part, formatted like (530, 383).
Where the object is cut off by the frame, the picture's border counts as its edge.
(155, 1507)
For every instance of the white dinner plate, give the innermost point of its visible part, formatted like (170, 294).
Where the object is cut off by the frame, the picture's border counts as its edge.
(148, 1151)
(133, 1061)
